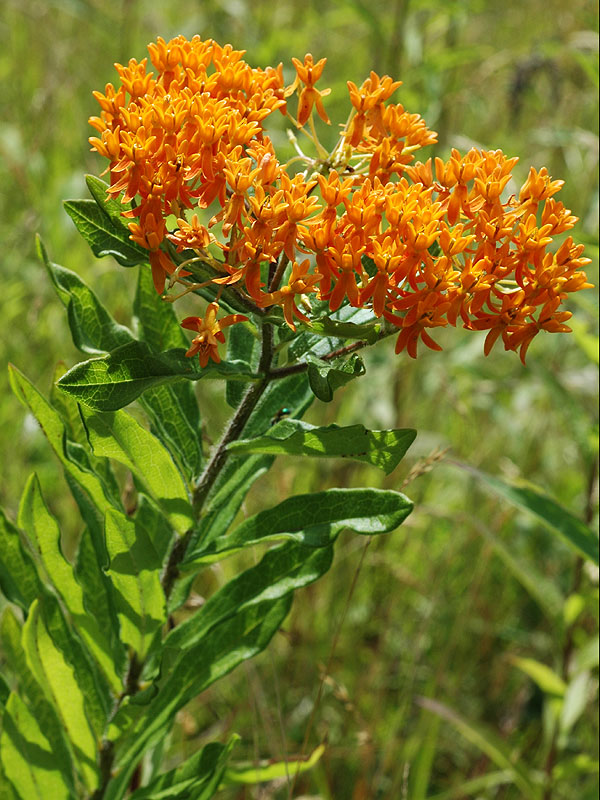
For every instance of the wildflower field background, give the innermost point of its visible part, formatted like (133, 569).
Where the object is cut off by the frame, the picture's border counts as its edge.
(424, 694)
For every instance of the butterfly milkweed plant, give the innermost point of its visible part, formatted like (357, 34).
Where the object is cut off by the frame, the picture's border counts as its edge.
(289, 272)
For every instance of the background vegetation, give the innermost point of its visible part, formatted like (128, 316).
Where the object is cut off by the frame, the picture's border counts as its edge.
(440, 609)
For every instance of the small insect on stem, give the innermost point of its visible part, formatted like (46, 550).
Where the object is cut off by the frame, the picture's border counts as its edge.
(283, 412)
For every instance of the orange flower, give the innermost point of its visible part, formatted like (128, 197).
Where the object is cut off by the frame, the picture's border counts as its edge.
(206, 343)
(309, 73)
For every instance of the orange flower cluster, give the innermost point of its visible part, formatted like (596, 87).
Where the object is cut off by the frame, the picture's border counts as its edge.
(422, 245)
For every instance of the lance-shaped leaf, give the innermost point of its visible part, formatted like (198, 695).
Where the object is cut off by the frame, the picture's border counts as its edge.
(237, 639)
(76, 444)
(107, 384)
(118, 435)
(97, 699)
(52, 671)
(93, 499)
(92, 328)
(19, 580)
(135, 572)
(312, 519)
(383, 449)
(100, 223)
(44, 534)
(27, 756)
(155, 525)
(112, 207)
(197, 778)
(251, 773)
(555, 517)
(281, 570)
(30, 691)
(172, 408)
(242, 345)
(156, 321)
(327, 376)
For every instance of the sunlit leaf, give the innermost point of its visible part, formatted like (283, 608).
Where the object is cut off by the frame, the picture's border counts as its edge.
(313, 519)
(383, 449)
(44, 534)
(118, 435)
(107, 384)
(32, 694)
(269, 771)
(52, 670)
(545, 677)
(135, 572)
(27, 756)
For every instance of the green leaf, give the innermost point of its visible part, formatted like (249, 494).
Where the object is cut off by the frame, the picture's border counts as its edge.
(97, 699)
(326, 326)
(548, 681)
(554, 516)
(281, 570)
(486, 741)
(106, 233)
(575, 701)
(134, 570)
(383, 449)
(92, 497)
(55, 674)
(76, 445)
(118, 435)
(327, 376)
(89, 484)
(293, 393)
(229, 644)
(195, 779)
(173, 409)
(174, 419)
(99, 601)
(237, 477)
(44, 534)
(107, 384)
(156, 321)
(92, 328)
(154, 523)
(28, 759)
(242, 345)
(19, 579)
(32, 694)
(320, 345)
(269, 771)
(108, 204)
(312, 519)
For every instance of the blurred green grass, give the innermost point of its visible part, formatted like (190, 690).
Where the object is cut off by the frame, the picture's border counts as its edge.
(436, 612)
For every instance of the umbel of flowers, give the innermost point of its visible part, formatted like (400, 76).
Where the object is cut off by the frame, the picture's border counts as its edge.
(420, 244)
